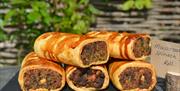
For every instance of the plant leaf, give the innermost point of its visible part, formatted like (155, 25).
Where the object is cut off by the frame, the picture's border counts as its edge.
(3, 36)
(75, 16)
(80, 27)
(148, 4)
(139, 4)
(93, 9)
(33, 17)
(35, 7)
(9, 15)
(46, 16)
(1, 23)
(85, 2)
(56, 19)
(18, 1)
(127, 5)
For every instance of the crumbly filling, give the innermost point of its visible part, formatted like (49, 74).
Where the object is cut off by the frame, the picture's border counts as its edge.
(136, 77)
(87, 78)
(92, 52)
(42, 78)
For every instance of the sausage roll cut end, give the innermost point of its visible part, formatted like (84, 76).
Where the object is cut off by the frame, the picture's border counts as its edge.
(133, 76)
(88, 78)
(95, 51)
(141, 47)
(38, 74)
(42, 78)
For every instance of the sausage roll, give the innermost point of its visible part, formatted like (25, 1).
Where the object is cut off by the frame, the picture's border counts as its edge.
(125, 45)
(72, 49)
(133, 76)
(87, 79)
(38, 74)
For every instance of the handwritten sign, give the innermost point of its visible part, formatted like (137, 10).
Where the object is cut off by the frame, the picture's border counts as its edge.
(165, 56)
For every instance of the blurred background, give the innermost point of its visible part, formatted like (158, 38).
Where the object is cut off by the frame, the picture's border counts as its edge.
(21, 21)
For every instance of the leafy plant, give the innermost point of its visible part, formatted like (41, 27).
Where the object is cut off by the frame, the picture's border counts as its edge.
(30, 18)
(136, 4)
(2, 34)
(34, 17)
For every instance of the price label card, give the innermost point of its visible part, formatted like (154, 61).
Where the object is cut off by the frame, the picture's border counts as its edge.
(165, 56)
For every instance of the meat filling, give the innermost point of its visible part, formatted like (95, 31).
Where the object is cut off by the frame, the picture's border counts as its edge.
(96, 51)
(141, 47)
(41, 78)
(136, 77)
(87, 78)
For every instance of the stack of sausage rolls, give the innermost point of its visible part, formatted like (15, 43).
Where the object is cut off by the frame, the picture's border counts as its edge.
(85, 58)
(133, 73)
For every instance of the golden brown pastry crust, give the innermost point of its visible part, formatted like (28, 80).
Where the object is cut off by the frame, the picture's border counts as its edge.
(118, 67)
(32, 61)
(70, 69)
(65, 48)
(120, 44)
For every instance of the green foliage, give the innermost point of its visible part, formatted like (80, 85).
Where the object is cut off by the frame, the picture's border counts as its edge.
(136, 4)
(34, 17)
(3, 36)
(128, 5)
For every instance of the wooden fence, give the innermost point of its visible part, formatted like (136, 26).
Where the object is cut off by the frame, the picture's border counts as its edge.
(162, 21)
